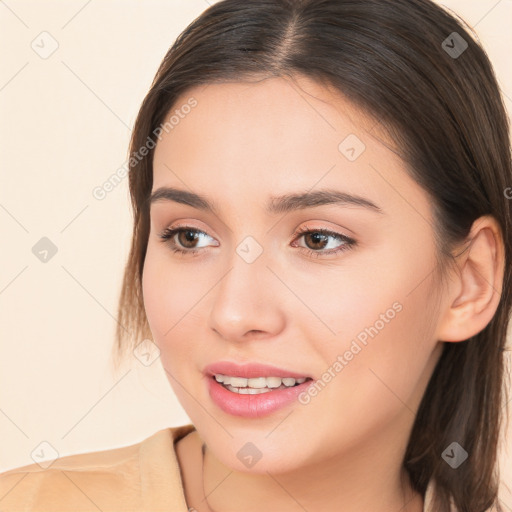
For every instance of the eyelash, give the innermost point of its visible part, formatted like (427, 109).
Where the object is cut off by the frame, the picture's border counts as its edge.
(168, 234)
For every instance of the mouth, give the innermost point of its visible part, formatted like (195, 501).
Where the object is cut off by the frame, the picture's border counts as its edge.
(253, 390)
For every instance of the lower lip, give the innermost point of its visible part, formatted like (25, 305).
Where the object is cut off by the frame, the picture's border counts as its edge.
(253, 406)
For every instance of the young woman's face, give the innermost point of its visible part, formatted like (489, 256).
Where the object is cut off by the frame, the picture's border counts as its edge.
(354, 311)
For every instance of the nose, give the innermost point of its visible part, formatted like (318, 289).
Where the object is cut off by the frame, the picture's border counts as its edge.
(247, 302)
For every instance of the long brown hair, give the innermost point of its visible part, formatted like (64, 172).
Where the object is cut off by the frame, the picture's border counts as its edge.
(437, 95)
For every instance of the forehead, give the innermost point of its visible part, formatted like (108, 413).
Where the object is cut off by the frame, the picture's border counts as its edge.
(251, 140)
(242, 121)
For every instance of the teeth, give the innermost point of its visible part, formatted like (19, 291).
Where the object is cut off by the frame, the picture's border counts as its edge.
(273, 382)
(236, 382)
(248, 391)
(258, 383)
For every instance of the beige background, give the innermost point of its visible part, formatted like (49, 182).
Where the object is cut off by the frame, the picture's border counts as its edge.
(65, 126)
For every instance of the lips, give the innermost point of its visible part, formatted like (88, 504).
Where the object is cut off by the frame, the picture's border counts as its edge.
(250, 370)
(250, 405)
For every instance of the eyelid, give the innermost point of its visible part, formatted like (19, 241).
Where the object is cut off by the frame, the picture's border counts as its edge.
(186, 225)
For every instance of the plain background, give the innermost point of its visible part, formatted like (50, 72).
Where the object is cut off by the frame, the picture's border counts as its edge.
(65, 127)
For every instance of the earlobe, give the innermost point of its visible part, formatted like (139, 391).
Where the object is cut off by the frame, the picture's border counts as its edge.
(474, 294)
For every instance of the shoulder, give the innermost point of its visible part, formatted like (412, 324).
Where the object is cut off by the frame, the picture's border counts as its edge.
(124, 478)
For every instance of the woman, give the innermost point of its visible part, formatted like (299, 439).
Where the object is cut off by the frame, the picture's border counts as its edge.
(321, 253)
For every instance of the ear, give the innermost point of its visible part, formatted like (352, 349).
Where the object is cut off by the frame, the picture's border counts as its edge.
(475, 291)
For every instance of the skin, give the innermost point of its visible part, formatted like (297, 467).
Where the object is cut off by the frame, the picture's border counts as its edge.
(242, 143)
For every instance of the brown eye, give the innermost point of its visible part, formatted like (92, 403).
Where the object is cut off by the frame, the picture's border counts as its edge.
(187, 238)
(316, 239)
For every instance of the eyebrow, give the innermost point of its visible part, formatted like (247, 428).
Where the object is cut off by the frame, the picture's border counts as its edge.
(277, 204)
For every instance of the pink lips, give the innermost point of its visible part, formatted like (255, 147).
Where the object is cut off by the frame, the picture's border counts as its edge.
(250, 370)
(252, 406)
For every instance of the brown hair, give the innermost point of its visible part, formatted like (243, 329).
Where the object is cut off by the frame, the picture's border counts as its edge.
(399, 61)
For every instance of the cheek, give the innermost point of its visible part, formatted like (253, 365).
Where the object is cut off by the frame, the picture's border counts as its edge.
(368, 386)
(385, 322)
(380, 360)
(168, 295)
(169, 299)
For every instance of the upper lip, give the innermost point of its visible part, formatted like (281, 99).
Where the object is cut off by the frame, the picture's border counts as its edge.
(250, 370)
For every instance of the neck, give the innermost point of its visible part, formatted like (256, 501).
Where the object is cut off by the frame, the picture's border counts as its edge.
(350, 483)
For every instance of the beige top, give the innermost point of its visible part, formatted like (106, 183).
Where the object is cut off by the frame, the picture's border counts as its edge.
(141, 477)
